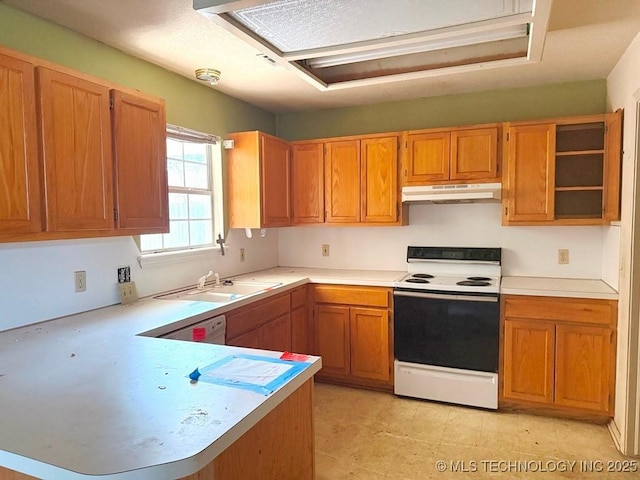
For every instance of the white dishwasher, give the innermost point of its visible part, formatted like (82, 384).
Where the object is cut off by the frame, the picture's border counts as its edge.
(211, 330)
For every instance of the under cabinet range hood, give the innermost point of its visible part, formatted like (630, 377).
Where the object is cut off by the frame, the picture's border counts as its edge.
(462, 193)
(336, 44)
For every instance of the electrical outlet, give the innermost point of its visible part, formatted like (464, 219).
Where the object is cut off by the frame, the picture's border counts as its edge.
(242, 254)
(563, 256)
(128, 292)
(81, 281)
(325, 249)
(124, 274)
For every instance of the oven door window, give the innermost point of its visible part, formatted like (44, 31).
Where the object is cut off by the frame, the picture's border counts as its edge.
(447, 333)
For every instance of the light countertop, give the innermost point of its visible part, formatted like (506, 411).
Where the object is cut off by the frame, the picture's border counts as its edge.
(88, 395)
(558, 287)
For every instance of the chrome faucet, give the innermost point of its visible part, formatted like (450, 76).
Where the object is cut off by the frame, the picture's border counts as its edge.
(202, 279)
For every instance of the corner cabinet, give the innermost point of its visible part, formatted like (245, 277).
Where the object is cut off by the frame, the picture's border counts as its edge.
(564, 171)
(278, 323)
(352, 328)
(460, 155)
(258, 176)
(77, 155)
(558, 354)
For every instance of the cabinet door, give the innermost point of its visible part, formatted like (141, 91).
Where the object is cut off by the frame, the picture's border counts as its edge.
(474, 154)
(529, 360)
(275, 192)
(252, 339)
(613, 160)
(428, 158)
(300, 331)
(332, 339)
(583, 366)
(307, 182)
(530, 173)
(20, 201)
(342, 181)
(276, 334)
(369, 329)
(76, 138)
(379, 179)
(140, 152)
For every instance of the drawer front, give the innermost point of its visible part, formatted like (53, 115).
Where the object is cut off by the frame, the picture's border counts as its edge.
(366, 296)
(571, 310)
(299, 298)
(256, 315)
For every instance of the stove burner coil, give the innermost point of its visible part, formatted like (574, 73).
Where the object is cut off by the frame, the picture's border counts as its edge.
(473, 283)
(479, 279)
(421, 275)
(417, 280)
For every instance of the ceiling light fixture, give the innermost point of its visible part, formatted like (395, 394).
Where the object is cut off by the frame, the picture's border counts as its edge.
(210, 75)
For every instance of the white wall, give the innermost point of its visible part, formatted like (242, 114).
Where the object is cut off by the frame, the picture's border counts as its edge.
(623, 91)
(530, 251)
(611, 255)
(37, 280)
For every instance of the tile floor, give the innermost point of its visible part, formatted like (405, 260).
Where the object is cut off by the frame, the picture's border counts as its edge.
(368, 435)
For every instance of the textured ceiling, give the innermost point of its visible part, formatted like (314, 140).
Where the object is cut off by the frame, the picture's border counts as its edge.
(585, 40)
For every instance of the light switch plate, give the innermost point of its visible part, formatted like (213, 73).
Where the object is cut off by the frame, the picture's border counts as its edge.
(128, 293)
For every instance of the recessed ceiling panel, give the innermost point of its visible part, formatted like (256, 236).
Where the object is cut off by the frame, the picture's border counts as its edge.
(346, 43)
(295, 25)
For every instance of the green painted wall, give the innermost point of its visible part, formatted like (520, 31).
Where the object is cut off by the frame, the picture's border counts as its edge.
(189, 103)
(564, 99)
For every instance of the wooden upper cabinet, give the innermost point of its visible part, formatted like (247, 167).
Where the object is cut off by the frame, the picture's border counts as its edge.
(342, 181)
(20, 196)
(474, 154)
(258, 175)
(307, 182)
(563, 171)
(140, 152)
(613, 166)
(379, 179)
(460, 155)
(77, 152)
(530, 173)
(276, 196)
(428, 158)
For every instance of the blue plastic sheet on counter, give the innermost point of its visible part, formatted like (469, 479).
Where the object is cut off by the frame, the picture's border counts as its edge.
(255, 373)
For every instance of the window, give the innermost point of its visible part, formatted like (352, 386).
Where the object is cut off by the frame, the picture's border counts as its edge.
(193, 171)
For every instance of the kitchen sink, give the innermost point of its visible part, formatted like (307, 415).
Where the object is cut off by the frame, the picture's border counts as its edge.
(219, 293)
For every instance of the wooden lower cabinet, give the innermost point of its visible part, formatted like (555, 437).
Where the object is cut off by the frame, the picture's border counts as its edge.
(278, 323)
(353, 338)
(559, 354)
(333, 339)
(529, 360)
(301, 328)
(276, 334)
(583, 367)
(369, 335)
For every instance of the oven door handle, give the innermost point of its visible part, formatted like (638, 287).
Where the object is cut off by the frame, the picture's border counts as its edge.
(466, 298)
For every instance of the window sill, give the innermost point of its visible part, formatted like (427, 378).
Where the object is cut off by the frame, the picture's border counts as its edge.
(163, 258)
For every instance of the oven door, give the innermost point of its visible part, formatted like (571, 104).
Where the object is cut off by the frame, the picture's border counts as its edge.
(447, 329)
